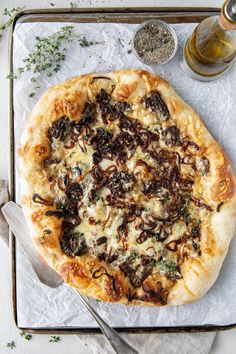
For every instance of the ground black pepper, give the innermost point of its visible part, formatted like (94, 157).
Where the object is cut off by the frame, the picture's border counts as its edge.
(154, 43)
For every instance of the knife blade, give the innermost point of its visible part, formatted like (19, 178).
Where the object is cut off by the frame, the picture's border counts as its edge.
(16, 220)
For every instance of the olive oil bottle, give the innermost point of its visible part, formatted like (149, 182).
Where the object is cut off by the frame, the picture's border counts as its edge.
(209, 52)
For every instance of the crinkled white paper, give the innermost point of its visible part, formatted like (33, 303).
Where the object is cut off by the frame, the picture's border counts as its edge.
(40, 306)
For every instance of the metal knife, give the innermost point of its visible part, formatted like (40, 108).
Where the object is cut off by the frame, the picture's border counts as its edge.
(16, 220)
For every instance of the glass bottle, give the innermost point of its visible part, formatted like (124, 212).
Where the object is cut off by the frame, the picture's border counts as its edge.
(209, 52)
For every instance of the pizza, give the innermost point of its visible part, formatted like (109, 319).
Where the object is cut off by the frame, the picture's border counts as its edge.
(127, 195)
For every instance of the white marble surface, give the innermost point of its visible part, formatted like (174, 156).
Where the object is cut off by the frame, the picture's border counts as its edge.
(225, 342)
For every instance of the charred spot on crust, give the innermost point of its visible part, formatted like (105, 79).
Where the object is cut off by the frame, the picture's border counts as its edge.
(120, 183)
(60, 129)
(171, 136)
(157, 105)
(73, 244)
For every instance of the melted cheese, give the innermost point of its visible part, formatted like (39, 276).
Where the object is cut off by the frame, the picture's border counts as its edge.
(99, 219)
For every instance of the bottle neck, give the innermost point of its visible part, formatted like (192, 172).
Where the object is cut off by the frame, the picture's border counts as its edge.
(225, 22)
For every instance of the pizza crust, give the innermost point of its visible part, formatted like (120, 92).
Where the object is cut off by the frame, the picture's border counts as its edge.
(69, 98)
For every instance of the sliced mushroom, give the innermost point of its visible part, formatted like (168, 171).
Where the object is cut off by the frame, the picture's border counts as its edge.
(171, 136)
(60, 129)
(73, 244)
(203, 165)
(157, 105)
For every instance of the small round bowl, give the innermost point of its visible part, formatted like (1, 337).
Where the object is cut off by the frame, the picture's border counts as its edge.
(167, 26)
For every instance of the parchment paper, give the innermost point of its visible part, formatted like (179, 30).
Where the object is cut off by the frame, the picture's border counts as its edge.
(40, 306)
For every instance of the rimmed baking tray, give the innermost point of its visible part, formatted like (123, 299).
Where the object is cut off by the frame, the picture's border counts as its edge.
(113, 15)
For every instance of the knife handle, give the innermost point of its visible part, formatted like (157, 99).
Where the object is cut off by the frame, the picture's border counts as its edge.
(117, 342)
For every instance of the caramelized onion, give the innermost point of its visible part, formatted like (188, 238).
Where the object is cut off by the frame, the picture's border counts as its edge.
(173, 245)
(161, 235)
(37, 199)
(145, 234)
(59, 214)
(219, 206)
(100, 272)
(200, 204)
(99, 78)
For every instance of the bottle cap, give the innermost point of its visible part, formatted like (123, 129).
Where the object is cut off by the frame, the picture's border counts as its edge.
(228, 15)
(230, 10)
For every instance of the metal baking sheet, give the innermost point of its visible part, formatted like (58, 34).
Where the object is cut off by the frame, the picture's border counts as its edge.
(113, 16)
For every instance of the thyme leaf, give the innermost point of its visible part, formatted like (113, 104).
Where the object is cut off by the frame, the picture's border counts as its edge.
(27, 336)
(11, 14)
(47, 56)
(11, 344)
(54, 339)
(72, 4)
(133, 255)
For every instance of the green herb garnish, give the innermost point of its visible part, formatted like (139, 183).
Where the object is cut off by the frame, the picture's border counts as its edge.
(11, 344)
(133, 255)
(72, 4)
(165, 199)
(27, 336)
(59, 205)
(72, 153)
(83, 42)
(42, 238)
(55, 339)
(147, 157)
(11, 14)
(48, 54)
(184, 211)
(168, 267)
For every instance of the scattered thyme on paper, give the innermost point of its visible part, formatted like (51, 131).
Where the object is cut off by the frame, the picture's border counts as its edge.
(40, 306)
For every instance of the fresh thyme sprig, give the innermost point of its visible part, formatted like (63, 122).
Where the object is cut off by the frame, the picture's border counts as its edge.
(11, 344)
(54, 339)
(11, 14)
(72, 4)
(25, 335)
(47, 56)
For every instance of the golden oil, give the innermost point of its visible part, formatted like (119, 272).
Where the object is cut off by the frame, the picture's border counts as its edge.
(212, 46)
